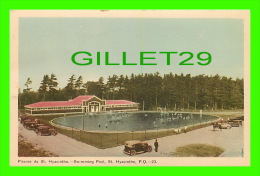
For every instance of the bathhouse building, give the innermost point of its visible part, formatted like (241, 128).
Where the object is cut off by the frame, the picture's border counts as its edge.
(80, 104)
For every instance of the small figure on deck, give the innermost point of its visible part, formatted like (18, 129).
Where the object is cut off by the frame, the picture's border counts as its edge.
(156, 145)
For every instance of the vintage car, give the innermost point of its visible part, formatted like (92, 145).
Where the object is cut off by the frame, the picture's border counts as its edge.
(134, 147)
(45, 131)
(32, 126)
(235, 123)
(23, 121)
(29, 124)
(38, 125)
(239, 118)
(240, 122)
(225, 126)
(221, 126)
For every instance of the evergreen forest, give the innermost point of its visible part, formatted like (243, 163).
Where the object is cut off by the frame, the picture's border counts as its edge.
(151, 91)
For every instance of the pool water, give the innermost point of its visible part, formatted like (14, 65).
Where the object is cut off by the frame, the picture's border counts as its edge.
(132, 121)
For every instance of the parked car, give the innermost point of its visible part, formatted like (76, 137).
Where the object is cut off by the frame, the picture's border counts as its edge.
(23, 121)
(239, 118)
(221, 126)
(225, 126)
(38, 125)
(45, 131)
(240, 122)
(134, 147)
(234, 123)
(29, 124)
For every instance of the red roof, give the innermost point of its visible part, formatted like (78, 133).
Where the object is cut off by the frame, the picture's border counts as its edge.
(111, 102)
(76, 101)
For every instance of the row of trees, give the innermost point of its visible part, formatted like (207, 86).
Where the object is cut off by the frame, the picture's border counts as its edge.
(152, 91)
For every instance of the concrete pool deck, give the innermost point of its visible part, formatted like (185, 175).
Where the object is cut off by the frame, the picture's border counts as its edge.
(231, 140)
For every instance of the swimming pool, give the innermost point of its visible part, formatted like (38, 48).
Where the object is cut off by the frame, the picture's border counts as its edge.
(136, 121)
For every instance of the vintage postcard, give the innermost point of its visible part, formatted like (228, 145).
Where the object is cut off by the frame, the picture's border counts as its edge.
(130, 88)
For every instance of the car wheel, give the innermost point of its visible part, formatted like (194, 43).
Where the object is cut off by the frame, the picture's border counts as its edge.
(53, 133)
(39, 133)
(132, 152)
(229, 127)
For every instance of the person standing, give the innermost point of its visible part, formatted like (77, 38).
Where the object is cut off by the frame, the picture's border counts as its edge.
(156, 145)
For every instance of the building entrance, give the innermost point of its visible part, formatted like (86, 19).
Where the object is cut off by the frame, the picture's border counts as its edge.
(94, 107)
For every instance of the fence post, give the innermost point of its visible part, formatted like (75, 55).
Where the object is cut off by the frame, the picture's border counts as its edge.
(145, 135)
(116, 138)
(101, 140)
(132, 135)
(71, 132)
(90, 138)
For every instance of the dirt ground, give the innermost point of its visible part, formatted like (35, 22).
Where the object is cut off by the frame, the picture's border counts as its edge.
(26, 149)
(231, 140)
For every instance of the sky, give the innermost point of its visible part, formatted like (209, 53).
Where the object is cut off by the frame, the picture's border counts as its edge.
(47, 44)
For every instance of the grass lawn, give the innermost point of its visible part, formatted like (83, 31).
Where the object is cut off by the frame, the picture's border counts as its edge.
(197, 150)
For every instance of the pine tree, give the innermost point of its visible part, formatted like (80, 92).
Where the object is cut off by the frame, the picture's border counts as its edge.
(53, 83)
(28, 82)
(70, 89)
(79, 83)
(44, 88)
(54, 93)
